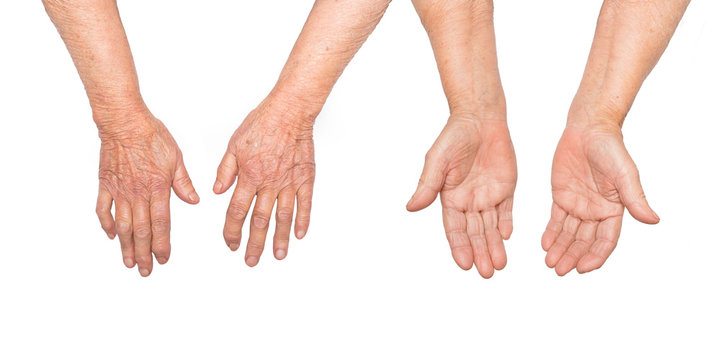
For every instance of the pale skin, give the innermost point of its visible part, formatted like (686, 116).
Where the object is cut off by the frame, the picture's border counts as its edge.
(594, 179)
(472, 163)
(139, 159)
(271, 153)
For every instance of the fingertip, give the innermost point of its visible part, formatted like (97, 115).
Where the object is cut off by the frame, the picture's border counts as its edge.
(505, 230)
(463, 259)
(218, 187)
(251, 261)
(299, 234)
(280, 254)
(486, 273)
(194, 197)
(499, 263)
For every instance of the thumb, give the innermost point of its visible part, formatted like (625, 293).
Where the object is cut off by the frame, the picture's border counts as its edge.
(431, 182)
(226, 173)
(183, 187)
(633, 197)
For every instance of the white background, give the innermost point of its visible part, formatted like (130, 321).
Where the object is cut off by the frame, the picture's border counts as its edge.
(369, 280)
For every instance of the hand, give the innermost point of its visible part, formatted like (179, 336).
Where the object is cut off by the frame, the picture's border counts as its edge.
(593, 180)
(472, 165)
(273, 158)
(139, 163)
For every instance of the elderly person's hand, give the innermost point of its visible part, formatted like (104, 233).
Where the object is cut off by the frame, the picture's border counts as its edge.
(271, 155)
(593, 177)
(139, 160)
(139, 163)
(593, 181)
(472, 165)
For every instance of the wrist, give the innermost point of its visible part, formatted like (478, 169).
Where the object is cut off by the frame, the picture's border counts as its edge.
(596, 116)
(123, 122)
(481, 111)
(295, 110)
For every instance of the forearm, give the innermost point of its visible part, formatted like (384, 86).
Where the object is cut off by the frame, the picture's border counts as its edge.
(463, 39)
(95, 38)
(333, 33)
(629, 40)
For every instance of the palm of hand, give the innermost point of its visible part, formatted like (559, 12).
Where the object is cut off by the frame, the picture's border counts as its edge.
(593, 179)
(472, 165)
(275, 162)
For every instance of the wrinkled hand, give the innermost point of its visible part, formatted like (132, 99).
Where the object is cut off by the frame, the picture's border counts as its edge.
(472, 165)
(593, 181)
(272, 157)
(139, 163)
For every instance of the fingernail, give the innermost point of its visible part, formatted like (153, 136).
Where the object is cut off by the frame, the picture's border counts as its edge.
(110, 235)
(280, 254)
(217, 187)
(234, 246)
(194, 197)
(129, 262)
(251, 260)
(300, 234)
(144, 272)
(162, 260)
(656, 215)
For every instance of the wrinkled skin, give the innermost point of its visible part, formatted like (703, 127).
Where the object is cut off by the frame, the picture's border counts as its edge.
(472, 165)
(139, 163)
(272, 156)
(593, 181)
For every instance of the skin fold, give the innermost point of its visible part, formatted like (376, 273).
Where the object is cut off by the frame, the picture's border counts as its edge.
(271, 154)
(593, 176)
(139, 159)
(472, 163)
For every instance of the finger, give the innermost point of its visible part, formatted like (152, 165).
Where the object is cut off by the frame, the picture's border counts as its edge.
(583, 240)
(226, 173)
(494, 239)
(304, 205)
(431, 182)
(283, 222)
(505, 221)
(566, 237)
(476, 234)
(124, 226)
(554, 226)
(142, 235)
(103, 207)
(259, 227)
(236, 213)
(160, 223)
(633, 197)
(608, 232)
(183, 187)
(456, 232)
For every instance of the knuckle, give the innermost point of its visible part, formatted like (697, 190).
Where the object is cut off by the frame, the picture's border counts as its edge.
(162, 249)
(284, 215)
(231, 237)
(236, 211)
(161, 225)
(106, 225)
(123, 227)
(256, 247)
(260, 220)
(142, 231)
(143, 259)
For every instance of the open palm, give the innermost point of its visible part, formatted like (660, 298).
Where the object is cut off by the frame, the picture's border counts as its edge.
(472, 165)
(593, 181)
